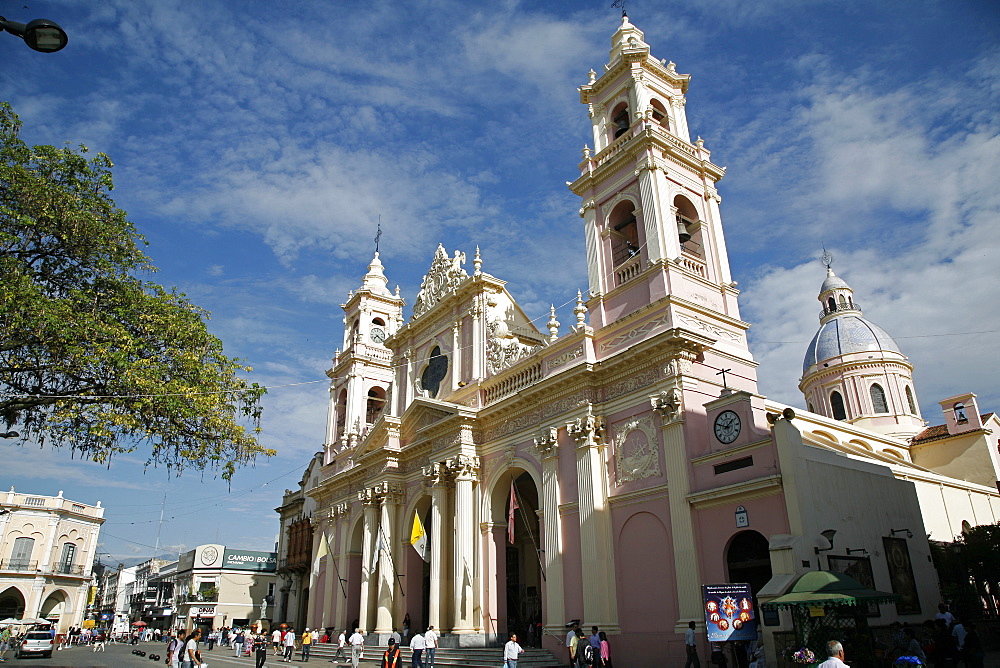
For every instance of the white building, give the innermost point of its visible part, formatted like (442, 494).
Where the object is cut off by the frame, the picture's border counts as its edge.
(47, 551)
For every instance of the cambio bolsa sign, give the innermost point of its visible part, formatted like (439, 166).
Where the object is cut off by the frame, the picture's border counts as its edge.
(250, 561)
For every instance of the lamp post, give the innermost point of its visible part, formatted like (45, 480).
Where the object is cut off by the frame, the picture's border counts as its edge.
(40, 34)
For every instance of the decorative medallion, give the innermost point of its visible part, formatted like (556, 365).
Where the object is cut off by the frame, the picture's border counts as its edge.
(636, 454)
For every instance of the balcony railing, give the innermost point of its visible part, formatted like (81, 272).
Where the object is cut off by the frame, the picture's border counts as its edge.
(68, 569)
(18, 565)
(848, 306)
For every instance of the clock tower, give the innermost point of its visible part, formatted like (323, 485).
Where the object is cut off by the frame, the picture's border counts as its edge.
(362, 373)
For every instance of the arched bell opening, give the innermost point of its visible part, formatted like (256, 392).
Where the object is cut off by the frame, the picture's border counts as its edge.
(748, 560)
(620, 121)
(689, 227)
(517, 580)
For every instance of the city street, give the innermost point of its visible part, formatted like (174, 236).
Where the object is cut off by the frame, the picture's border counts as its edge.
(120, 656)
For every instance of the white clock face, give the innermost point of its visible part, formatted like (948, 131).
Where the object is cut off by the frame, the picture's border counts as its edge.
(727, 426)
(378, 334)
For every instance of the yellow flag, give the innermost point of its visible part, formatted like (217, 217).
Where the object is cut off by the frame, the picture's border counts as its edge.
(324, 549)
(419, 539)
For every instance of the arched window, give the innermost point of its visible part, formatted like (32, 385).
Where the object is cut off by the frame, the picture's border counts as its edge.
(811, 409)
(910, 402)
(831, 305)
(960, 415)
(878, 399)
(660, 114)
(620, 121)
(378, 321)
(376, 402)
(341, 413)
(624, 233)
(837, 404)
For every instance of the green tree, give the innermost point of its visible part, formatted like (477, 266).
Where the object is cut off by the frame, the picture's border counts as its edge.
(93, 356)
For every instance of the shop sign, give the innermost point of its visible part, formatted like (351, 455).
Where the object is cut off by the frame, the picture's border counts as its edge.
(203, 611)
(245, 560)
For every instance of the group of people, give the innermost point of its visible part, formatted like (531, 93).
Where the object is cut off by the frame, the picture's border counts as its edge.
(592, 650)
(420, 643)
(942, 642)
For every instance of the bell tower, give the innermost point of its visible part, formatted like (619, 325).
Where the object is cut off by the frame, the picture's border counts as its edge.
(362, 374)
(649, 200)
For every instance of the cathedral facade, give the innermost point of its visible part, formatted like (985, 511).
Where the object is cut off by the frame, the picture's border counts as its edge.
(604, 472)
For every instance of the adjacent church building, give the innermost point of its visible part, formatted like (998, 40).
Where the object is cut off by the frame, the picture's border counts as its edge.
(605, 470)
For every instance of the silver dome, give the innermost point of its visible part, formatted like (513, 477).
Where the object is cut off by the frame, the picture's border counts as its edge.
(846, 334)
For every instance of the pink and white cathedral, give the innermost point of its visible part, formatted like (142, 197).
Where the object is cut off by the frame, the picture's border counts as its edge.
(640, 470)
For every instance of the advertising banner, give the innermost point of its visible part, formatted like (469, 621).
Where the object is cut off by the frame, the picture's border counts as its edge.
(245, 560)
(729, 612)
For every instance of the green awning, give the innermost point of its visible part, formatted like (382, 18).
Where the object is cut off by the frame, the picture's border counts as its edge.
(823, 588)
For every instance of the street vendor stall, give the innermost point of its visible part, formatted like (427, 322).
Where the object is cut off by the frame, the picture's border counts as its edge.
(829, 606)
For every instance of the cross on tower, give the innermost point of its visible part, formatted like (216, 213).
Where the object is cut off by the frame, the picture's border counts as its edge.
(723, 374)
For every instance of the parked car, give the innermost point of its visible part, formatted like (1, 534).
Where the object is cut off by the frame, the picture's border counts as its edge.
(36, 642)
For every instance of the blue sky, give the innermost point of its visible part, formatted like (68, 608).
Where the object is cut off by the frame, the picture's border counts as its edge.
(257, 144)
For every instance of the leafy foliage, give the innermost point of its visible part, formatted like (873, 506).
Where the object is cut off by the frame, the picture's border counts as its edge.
(93, 357)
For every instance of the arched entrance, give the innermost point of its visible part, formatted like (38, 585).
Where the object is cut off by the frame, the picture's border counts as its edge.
(416, 602)
(518, 541)
(352, 573)
(12, 603)
(749, 560)
(54, 606)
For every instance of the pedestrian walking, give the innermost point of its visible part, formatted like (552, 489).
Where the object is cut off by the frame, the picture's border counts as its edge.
(357, 647)
(289, 643)
(191, 656)
(417, 647)
(174, 648)
(605, 651)
(430, 645)
(691, 647)
(595, 647)
(276, 641)
(260, 650)
(238, 641)
(341, 642)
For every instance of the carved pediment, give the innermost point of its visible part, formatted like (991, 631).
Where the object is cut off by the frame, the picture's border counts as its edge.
(445, 275)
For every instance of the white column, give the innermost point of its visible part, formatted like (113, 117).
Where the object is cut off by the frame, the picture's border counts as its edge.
(340, 609)
(466, 472)
(437, 480)
(555, 616)
(370, 501)
(600, 600)
(386, 564)
(657, 227)
(456, 354)
(595, 268)
(687, 579)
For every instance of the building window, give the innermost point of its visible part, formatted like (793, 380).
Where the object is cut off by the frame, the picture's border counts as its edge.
(434, 373)
(20, 557)
(341, 413)
(960, 415)
(68, 553)
(837, 404)
(878, 399)
(660, 114)
(909, 401)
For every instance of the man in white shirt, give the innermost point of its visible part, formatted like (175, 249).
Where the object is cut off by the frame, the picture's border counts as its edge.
(192, 655)
(836, 653)
(276, 641)
(944, 614)
(341, 642)
(289, 642)
(511, 651)
(417, 646)
(357, 647)
(430, 644)
(691, 647)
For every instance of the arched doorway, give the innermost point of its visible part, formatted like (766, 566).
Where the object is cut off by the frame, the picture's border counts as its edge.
(749, 560)
(352, 573)
(12, 603)
(518, 541)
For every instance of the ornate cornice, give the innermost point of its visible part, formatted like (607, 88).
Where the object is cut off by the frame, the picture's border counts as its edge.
(547, 443)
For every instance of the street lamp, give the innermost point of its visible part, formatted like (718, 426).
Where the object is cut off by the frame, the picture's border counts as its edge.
(40, 34)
